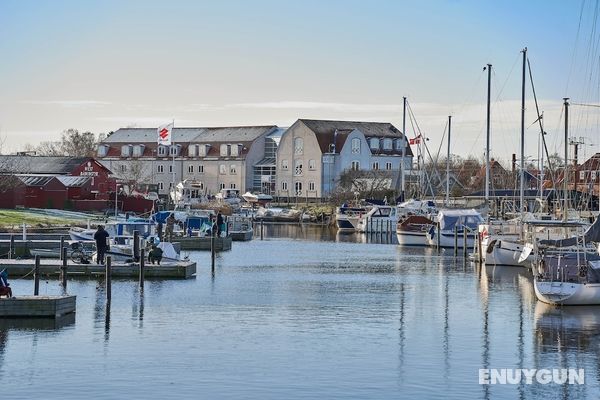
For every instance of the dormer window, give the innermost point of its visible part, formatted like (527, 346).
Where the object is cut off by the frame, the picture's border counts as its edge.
(192, 150)
(102, 150)
(236, 149)
(174, 150)
(162, 151)
(399, 144)
(126, 150)
(225, 150)
(203, 150)
(138, 150)
(388, 144)
(374, 143)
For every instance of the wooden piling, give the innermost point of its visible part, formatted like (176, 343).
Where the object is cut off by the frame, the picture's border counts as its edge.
(136, 245)
(36, 276)
(62, 245)
(261, 229)
(142, 266)
(438, 235)
(107, 276)
(455, 240)
(465, 246)
(11, 249)
(479, 248)
(213, 250)
(63, 268)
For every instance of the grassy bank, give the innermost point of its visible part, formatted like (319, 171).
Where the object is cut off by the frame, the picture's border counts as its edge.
(14, 219)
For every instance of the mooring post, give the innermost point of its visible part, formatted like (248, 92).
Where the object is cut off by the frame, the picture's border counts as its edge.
(261, 229)
(62, 245)
(455, 240)
(465, 247)
(36, 276)
(142, 266)
(11, 249)
(479, 248)
(63, 268)
(438, 235)
(213, 250)
(136, 245)
(108, 278)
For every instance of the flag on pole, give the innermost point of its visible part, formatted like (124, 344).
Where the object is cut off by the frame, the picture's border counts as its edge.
(164, 134)
(416, 140)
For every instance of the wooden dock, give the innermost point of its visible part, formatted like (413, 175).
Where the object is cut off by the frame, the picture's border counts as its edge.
(203, 243)
(182, 270)
(37, 306)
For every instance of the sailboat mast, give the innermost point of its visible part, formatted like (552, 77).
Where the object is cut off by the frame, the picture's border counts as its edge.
(448, 162)
(522, 175)
(487, 142)
(404, 144)
(566, 167)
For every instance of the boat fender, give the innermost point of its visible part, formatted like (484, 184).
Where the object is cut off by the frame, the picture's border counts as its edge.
(490, 247)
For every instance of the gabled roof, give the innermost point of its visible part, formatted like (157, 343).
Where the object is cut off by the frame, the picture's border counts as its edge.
(73, 181)
(40, 164)
(325, 132)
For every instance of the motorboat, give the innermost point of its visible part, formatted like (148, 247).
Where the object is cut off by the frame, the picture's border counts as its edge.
(239, 227)
(259, 198)
(379, 219)
(347, 217)
(411, 230)
(122, 227)
(451, 223)
(188, 193)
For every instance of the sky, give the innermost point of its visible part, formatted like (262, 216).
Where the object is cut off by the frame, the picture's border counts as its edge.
(101, 65)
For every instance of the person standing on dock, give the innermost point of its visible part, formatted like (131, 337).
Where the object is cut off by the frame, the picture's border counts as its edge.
(220, 224)
(5, 289)
(101, 237)
(159, 230)
(170, 227)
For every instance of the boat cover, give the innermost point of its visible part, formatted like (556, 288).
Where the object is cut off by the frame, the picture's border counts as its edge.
(592, 234)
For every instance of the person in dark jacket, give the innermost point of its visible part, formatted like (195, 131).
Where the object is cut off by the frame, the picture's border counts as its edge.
(155, 254)
(220, 224)
(101, 237)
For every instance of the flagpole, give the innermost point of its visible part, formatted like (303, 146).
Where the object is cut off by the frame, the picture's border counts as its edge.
(172, 164)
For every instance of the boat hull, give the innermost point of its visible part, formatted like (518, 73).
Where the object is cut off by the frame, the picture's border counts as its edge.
(505, 252)
(447, 240)
(567, 293)
(241, 236)
(412, 238)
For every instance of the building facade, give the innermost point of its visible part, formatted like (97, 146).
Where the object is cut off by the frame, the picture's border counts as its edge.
(216, 158)
(313, 154)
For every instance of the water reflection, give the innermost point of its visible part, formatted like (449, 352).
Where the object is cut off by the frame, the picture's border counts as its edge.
(324, 233)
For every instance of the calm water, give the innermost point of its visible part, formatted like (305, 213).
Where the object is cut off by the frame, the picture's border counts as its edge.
(306, 315)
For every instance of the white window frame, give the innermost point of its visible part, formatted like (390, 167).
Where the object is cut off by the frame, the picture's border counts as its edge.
(311, 186)
(298, 146)
(232, 186)
(356, 146)
(160, 169)
(298, 188)
(312, 165)
(388, 144)
(284, 186)
(221, 186)
(298, 167)
(170, 168)
(173, 150)
(388, 166)
(161, 186)
(200, 168)
(355, 165)
(190, 169)
(375, 166)
(232, 169)
(284, 165)
(222, 170)
(162, 151)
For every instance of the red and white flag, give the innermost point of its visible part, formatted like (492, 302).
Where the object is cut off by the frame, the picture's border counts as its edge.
(416, 140)
(164, 134)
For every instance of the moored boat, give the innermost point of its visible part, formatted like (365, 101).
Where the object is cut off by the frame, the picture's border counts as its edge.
(412, 230)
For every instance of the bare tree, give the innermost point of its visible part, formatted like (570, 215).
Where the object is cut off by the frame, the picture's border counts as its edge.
(133, 174)
(72, 144)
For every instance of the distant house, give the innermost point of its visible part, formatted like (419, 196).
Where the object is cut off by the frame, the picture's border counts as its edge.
(312, 154)
(587, 178)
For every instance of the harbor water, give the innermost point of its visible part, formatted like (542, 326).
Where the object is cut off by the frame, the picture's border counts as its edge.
(303, 314)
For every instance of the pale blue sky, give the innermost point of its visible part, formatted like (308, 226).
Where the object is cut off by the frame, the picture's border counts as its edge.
(106, 64)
